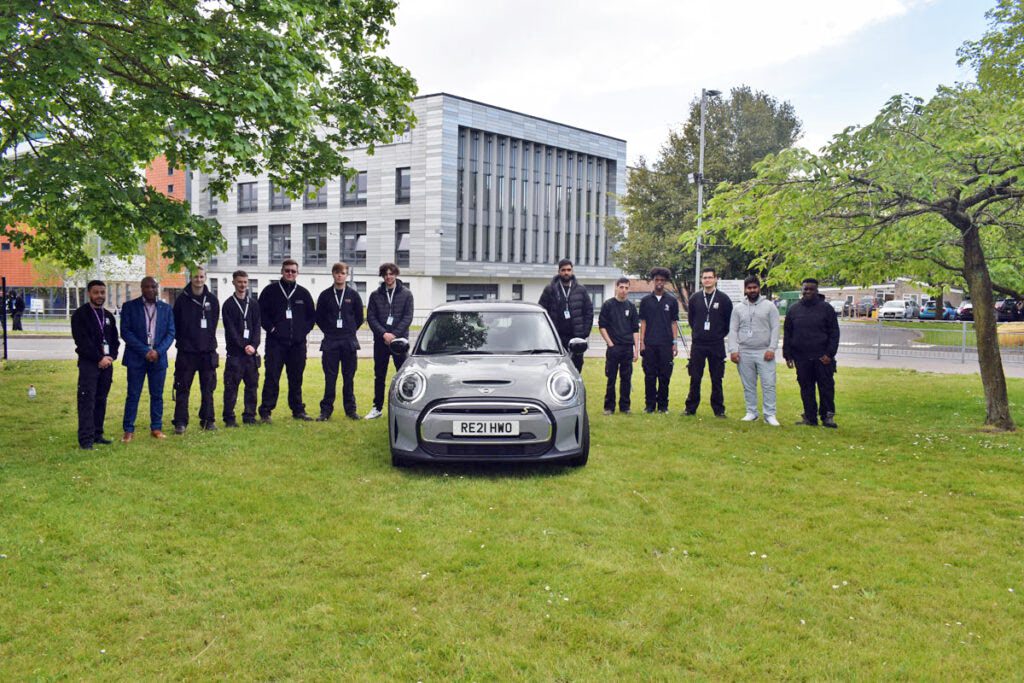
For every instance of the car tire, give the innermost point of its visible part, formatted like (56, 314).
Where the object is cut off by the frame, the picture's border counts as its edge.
(399, 460)
(581, 459)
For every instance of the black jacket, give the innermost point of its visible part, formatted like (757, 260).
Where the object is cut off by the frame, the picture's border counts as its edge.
(85, 328)
(401, 310)
(189, 312)
(620, 319)
(811, 330)
(581, 308)
(273, 313)
(350, 313)
(719, 314)
(231, 313)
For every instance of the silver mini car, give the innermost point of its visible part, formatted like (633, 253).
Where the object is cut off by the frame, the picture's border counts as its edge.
(489, 381)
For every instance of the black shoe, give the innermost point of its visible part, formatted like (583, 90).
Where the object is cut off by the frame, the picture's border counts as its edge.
(265, 420)
(87, 447)
(210, 426)
(721, 415)
(103, 442)
(302, 416)
(248, 421)
(609, 412)
(230, 424)
(663, 411)
(353, 416)
(627, 411)
(829, 421)
(323, 418)
(179, 429)
(648, 410)
(804, 422)
(689, 413)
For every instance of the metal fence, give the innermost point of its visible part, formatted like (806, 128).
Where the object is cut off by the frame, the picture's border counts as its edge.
(953, 341)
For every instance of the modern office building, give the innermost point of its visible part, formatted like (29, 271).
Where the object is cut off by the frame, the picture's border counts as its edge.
(476, 201)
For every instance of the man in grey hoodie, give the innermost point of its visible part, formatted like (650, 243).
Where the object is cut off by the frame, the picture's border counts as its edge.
(753, 338)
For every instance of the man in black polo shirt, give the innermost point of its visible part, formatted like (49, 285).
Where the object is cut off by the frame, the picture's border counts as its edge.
(659, 327)
(96, 343)
(620, 326)
(710, 311)
(241, 316)
(196, 312)
(288, 315)
(339, 313)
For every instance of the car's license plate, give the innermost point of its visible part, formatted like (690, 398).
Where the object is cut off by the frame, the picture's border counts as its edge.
(485, 428)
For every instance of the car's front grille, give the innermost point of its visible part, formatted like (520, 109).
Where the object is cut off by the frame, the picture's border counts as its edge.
(485, 450)
(536, 426)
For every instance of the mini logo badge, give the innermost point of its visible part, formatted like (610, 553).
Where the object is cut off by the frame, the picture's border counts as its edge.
(485, 390)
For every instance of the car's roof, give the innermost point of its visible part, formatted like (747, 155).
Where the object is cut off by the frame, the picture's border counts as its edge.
(488, 305)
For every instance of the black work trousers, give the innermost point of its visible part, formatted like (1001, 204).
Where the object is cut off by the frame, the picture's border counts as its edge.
(576, 358)
(714, 357)
(348, 360)
(93, 387)
(618, 365)
(186, 365)
(238, 369)
(657, 366)
(812, 374)
(16, 319)
(381, 357)
(279, 357)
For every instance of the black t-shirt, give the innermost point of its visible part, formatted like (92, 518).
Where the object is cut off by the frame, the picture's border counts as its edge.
(659, 314)
(620, 319)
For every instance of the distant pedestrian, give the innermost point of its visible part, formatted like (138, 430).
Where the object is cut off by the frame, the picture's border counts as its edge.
(241, 316)
(287, 314)
(810, 342)
(619, 324)
(753, 338)
(659, 328)
(570, 308)
(95, 332)
(196, 312)
(17, 310)
(147, 327)
(339, 314)
(710, 311)
(389, 315)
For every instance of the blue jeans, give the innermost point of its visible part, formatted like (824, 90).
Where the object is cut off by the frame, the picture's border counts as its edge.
(136, 376)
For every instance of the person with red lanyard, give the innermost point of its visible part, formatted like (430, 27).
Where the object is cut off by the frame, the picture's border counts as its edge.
(95, 332)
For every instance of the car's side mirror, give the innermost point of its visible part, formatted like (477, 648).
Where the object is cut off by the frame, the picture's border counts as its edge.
(400, 346)
(578, 345)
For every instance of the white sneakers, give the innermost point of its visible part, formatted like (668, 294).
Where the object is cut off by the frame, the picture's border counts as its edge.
(770, 419)
(373, 414)
(749, 417)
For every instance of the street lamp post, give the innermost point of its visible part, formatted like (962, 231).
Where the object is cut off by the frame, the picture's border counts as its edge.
(704, 94)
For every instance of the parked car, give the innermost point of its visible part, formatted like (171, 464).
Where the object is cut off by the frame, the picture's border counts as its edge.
(1008, 310)
(898, 309)
(864, 307)
(838, 306)
(488, 381)
(965, 311)
(928, 311)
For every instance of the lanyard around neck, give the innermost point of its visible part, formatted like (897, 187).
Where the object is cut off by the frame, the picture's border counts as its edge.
(245, 311)
(287, 295)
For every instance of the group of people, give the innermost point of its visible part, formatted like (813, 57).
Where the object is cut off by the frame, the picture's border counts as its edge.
(285, 312)
(747, 333)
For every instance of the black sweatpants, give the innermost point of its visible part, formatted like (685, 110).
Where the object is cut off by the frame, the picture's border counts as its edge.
(381, 357)
(812, 374)
(93, 387)
(279, 357)
(348, 360)
(186, 365)
(238, 369)
(618, 363)
(715, 359)
(657, 364)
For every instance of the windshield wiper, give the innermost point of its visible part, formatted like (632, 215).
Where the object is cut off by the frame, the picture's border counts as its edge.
(536, 351)
(472, 352)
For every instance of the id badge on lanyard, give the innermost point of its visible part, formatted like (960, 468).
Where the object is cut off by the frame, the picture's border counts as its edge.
(106, 349)
(288, 314)
(390, 320)
(245, 333)
(707, 325)
(340, 323)
(202, 324)
(565, 314)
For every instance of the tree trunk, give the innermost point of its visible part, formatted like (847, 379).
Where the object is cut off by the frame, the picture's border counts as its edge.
(990, 362)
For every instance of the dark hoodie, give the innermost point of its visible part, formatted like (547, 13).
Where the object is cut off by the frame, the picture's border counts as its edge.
(811, 330)
(580, 307)
(400, 310)
(189, 313)
(274, 305)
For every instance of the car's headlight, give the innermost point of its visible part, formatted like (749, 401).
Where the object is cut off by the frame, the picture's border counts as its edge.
(562, 386)
(411, 386)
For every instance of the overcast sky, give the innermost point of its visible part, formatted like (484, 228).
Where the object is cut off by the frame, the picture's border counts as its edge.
(630, 68)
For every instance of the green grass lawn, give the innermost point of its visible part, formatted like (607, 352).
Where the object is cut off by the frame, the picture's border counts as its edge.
(891, 548)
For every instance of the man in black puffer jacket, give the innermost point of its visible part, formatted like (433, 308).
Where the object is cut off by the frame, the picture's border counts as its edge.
(570, 308)
(810, 342)
(389, 314)
(287, 314)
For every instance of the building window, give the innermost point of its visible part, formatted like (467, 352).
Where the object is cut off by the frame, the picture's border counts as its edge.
(280, 243)
(402, 243)
(355, 191)
(214, 201)
(468, 292)
(170, 170)
(314, 197)
(517, 292)
(596, 293)
(6, 246)
(314, 240)
(170, 189)
(361, 288)
(353, 243)
(279, 201)
(212, 284)
(403, 185)
(247, 196)
(254, 286)
(248, 253)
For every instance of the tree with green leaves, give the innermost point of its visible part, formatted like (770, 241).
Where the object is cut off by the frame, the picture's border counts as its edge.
(926, 187)
(93, 90)
(660, 204)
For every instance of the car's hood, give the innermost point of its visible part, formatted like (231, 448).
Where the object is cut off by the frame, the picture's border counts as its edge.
(503, 375)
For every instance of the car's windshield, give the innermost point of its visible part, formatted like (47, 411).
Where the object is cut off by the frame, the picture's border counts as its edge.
(490, 332)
